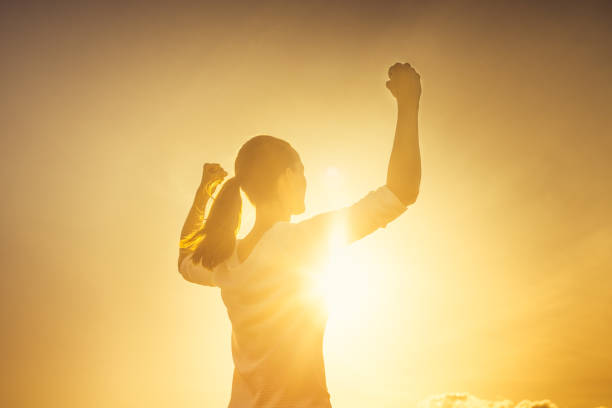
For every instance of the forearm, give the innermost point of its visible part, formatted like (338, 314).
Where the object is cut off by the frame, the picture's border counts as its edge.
(195, 218)
(212, 175)
(404, 172)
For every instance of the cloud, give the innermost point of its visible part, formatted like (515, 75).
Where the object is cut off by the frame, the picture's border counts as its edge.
(465, 400)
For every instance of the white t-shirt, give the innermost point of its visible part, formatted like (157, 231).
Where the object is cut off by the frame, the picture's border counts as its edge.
(278, 316)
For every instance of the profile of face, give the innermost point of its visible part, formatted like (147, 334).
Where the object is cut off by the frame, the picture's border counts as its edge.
(292, 189)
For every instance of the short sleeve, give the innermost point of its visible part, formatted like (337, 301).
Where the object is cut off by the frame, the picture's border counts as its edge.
(378, 208)
(196, 272)
(315, 238)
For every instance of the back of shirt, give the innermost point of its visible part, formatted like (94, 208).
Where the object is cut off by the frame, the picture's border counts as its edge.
(278, 316)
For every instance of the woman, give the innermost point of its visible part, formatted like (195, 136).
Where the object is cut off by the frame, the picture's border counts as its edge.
(266, 278)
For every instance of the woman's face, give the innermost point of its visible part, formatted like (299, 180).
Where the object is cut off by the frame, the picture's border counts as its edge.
(292, 189)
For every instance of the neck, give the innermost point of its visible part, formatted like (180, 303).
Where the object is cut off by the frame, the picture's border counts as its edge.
(268, 215)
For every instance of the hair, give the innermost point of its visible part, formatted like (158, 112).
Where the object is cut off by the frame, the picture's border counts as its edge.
(259, 163)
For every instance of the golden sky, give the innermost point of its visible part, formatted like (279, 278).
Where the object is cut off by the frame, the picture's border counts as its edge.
(496, 283)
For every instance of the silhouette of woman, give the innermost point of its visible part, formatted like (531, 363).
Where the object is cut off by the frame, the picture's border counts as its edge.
(266, 277)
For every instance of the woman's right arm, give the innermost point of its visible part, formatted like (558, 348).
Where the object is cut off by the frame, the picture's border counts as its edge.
(212, 175)
(316, 237)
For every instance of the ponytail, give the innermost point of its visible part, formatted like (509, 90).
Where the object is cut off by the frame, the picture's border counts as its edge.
(218, 235)
(259, 163)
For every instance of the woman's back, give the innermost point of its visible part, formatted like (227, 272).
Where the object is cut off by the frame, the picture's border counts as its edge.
(278, 321)
(278, 314)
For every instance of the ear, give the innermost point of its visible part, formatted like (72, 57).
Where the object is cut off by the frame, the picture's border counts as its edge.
(285, 175)
(281, 181)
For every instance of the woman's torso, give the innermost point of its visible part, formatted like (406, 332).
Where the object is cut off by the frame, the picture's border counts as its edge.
(278, 321)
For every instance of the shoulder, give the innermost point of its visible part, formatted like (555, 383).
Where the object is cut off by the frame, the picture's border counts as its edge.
(277, 238)
(280, 232)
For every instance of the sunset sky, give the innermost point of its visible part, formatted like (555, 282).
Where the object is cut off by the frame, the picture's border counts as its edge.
(496, 283)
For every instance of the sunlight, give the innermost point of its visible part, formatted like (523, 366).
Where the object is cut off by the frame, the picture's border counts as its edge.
(344, 286)
(334, 187)
(333, 175)
(342, 282)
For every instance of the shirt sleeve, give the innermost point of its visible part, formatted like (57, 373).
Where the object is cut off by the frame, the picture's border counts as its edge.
(196, 272)
(315, 238)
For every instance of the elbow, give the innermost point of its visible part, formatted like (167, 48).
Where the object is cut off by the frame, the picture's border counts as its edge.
(411, 192)
(407, 192)
(183, 274)
(182, 271)
(186, 276)
(411, 199)
(409, 196)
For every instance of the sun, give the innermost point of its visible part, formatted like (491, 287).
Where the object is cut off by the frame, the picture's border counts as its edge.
(342, 281)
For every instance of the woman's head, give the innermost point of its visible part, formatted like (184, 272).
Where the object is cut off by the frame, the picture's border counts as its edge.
(271, 173)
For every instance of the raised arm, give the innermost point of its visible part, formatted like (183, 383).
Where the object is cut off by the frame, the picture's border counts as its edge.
(404, 172)
(212, 175)
(315, 237)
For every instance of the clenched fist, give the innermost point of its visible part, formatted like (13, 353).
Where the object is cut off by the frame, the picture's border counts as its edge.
(404, 83)
(212, 175)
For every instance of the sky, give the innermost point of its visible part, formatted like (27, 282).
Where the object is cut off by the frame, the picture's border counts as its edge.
(492, 290)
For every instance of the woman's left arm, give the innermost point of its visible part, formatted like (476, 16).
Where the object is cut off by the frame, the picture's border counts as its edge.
(212, 175)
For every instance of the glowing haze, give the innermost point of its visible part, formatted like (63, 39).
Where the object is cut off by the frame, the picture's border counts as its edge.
(494, 288)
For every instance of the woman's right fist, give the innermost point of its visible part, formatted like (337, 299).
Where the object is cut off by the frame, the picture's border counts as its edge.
(404, 83)
(212, 175)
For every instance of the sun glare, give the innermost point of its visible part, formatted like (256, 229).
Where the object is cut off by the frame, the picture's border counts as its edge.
(342, 281)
